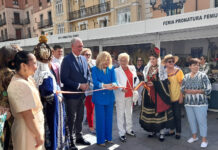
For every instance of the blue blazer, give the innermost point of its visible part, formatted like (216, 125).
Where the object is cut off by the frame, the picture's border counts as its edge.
(105, 97)
(72, 75)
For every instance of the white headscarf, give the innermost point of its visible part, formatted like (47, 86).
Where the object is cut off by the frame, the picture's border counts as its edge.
(161, 70)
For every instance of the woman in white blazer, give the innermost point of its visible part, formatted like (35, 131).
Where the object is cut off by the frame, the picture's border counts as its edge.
(126, 77)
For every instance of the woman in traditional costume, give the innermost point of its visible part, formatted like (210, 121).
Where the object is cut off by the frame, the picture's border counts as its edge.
(53, 107)
(156, 113)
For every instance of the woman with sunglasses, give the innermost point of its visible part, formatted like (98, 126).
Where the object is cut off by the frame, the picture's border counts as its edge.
(88, 102)
(175, 77)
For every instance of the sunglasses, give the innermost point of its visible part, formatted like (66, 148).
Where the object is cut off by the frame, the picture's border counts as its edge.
(170, 61)
(139, 60)
(87, 55)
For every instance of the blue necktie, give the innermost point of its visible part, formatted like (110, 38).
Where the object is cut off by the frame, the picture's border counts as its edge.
(80, 63)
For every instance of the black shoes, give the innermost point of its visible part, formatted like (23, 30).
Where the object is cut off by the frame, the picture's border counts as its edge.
(177, 136)
(169, 133)
(123, 138)
(82, 142)
(73, 147)
(161, 137)
(152, 134)
(132, 133)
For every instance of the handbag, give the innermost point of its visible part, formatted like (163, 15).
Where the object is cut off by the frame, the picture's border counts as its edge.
(135, 94)
(2, 122)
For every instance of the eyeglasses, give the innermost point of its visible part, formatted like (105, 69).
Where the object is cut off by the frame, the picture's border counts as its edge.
(170, 61)
(87, 55)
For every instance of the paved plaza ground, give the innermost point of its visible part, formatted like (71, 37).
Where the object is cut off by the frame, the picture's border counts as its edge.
(142, 142)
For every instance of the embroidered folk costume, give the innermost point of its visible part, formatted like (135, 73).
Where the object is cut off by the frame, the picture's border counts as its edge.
(156, 113)
(53, 108)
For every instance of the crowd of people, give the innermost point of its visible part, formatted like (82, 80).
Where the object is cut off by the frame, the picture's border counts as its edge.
(43, 94)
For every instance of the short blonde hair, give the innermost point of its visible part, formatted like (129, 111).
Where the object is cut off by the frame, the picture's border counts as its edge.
(101, 58)
(123, 55)
(86, 50)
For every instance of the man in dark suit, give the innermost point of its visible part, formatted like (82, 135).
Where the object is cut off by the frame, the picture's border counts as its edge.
(75, 77)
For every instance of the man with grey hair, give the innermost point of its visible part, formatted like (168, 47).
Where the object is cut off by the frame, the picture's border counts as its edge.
(75, 77)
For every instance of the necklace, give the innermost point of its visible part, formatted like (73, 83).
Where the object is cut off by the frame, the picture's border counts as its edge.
(152, 71)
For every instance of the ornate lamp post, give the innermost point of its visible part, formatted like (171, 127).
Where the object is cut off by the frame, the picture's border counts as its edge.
(168, 5)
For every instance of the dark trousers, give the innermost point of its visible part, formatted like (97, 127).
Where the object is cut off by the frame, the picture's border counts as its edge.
(176, 107)
(75, 113)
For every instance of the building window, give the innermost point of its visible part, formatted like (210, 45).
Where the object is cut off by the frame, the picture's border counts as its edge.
(123, 16)
(103, 23)
(49, 18)
(29, 32)
(4, 16)
(216, 3)
(2, 35)
(16, 18)
(40, 2)
(59, 7)
(28, 16)
(60, 28)
(15, 2)
(103, 6)
(48, 1)
(175, 11)
(82, 11)
(2, 2)
(26, 1)
(6, 34)
(83, 26)
(41, 20)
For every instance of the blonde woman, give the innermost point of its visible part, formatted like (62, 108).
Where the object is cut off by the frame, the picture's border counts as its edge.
(103, 76)
(126, 77)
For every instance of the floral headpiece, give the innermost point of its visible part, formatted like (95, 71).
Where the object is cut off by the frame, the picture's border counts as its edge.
(42, 51)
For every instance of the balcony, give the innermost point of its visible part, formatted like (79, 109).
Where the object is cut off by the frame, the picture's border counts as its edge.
(12, 37)
(89, 11)
(2, 22)
(21, 22)
(26, 21)
(45, 24)
(17, 22)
